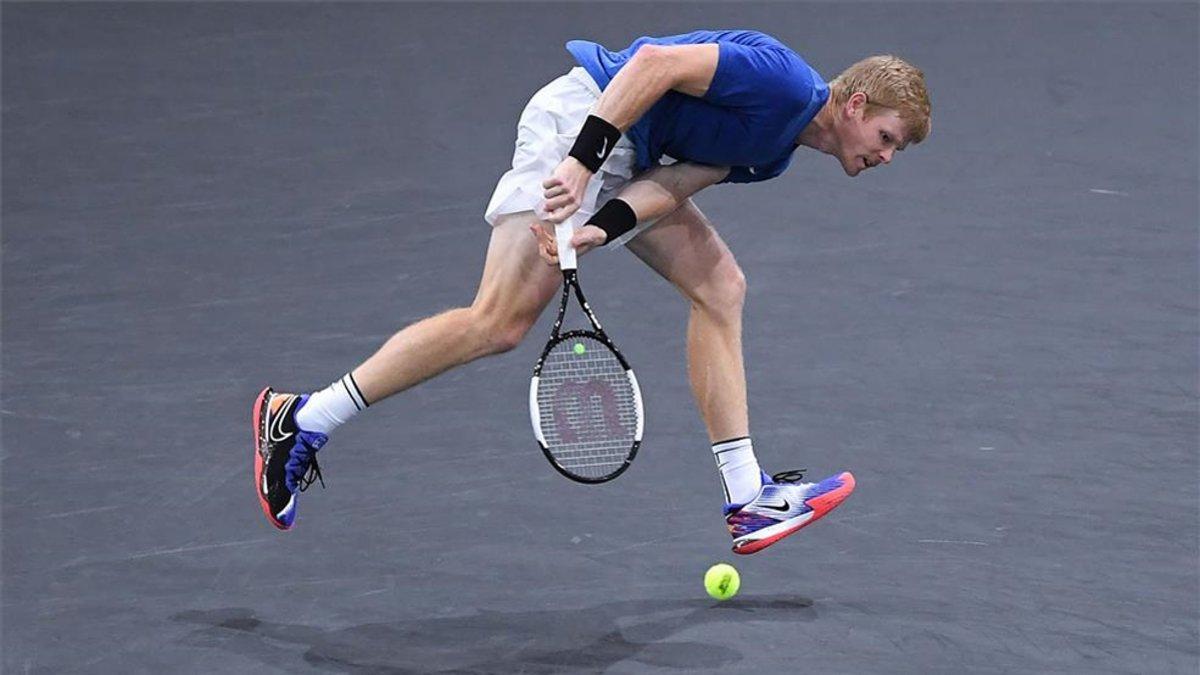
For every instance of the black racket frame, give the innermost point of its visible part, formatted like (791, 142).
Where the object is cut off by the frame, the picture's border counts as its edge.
(571, 281)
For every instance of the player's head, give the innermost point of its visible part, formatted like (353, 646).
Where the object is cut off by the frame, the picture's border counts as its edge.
(881, 106)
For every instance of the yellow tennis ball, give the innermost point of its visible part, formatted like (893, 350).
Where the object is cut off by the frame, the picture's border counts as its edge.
(722, 581)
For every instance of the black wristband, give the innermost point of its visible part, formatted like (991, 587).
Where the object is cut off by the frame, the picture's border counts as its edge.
(595, 142)
(616, 218)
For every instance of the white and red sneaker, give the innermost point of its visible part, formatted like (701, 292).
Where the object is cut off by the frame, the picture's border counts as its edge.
(784, 506)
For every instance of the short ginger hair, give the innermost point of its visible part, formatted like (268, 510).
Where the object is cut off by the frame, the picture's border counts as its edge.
(889, 82)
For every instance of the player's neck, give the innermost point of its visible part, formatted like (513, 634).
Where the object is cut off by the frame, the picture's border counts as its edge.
(819, 133)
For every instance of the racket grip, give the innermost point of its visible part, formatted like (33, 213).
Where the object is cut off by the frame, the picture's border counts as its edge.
(566, 252)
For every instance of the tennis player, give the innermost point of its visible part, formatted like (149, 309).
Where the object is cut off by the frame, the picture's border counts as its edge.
(617, 147)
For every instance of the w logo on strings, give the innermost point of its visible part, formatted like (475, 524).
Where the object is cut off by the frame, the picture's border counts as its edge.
(586, 410)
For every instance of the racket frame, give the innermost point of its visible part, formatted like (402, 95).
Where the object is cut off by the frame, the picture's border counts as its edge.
(567, 262)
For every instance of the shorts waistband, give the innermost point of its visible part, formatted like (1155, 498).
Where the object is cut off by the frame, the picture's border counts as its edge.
(580, 74)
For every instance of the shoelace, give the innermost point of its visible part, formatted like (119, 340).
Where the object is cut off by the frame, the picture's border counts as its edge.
(792, 476)
(313, 473)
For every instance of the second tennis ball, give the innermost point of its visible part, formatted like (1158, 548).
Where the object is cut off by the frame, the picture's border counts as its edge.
(722, 581)
(579, 348)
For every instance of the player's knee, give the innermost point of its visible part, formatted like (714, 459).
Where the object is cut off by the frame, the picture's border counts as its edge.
(507, 337)
(725, 292)
(499, 332)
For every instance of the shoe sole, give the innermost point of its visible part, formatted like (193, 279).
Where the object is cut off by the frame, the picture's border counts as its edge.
(820, 507)
(259, 412)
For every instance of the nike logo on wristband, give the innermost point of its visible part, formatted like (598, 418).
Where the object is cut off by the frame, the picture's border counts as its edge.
(603, 147)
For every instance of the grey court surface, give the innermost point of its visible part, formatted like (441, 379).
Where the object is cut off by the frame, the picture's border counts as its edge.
(997, 334)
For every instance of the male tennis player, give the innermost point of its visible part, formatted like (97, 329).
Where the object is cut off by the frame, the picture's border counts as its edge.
(617, 147)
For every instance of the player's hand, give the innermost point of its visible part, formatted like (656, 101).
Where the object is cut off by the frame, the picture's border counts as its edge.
(563, 190)
(547, 249)
(585, 239)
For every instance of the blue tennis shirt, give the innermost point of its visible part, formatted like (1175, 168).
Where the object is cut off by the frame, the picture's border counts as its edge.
(760, 98)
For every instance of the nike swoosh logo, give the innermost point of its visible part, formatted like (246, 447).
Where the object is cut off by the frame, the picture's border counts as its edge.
(276, 434)
(775, 507)
(753, 171)
(603, 147)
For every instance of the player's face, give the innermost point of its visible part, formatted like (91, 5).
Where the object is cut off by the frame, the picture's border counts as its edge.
(869, 141)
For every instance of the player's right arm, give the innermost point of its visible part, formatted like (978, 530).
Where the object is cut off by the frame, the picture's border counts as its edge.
(650, 74)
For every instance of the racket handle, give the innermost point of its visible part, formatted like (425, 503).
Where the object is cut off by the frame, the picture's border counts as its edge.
(566, 252)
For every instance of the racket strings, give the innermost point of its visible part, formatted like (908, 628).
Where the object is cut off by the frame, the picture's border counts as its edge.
(587, 406)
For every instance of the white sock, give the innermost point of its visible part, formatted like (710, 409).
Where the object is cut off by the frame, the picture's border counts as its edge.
(740, 475)
(332, 407)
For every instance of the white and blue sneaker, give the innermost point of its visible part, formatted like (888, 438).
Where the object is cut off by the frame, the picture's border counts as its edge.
(784, 506)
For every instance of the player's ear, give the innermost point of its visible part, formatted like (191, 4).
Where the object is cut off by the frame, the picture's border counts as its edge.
(856, 105)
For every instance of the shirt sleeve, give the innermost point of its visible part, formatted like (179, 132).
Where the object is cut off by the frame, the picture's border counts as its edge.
(754, 77)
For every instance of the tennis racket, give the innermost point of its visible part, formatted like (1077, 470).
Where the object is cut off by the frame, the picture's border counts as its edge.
(584, 400)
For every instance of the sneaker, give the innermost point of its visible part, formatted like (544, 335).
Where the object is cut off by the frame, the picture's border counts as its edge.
(782, 507)
(285, 456)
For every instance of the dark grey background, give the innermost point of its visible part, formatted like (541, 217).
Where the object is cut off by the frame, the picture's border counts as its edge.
(997, 334)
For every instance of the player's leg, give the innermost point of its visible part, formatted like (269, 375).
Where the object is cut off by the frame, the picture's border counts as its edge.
(515, 287)
(686, 250)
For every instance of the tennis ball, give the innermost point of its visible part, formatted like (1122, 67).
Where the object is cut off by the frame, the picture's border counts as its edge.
(722, 581)
(579, 348)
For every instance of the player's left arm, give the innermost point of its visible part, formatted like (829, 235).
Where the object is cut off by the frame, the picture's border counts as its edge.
(663, 189)
(650, 196)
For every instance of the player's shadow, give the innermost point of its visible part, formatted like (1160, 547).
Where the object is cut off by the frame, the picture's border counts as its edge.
(551, 641)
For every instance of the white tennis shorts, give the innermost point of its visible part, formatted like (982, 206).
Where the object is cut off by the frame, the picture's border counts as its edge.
(547, 130)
